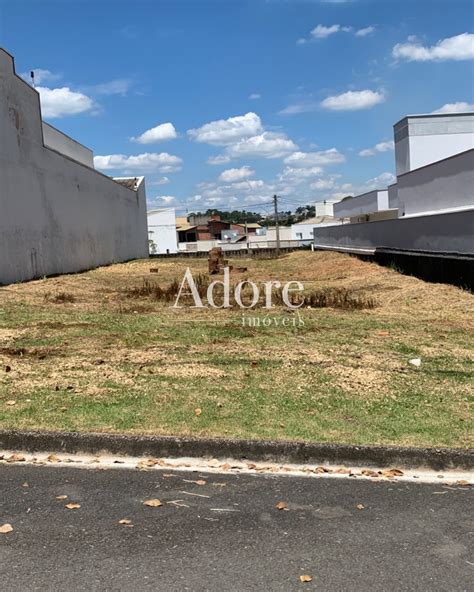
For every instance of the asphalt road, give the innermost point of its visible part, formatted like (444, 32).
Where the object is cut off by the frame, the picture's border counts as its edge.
(230, 537)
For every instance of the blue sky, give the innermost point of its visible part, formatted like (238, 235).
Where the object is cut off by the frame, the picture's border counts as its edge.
(286, 94)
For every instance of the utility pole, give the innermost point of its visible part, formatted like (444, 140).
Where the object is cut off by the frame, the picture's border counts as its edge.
(277, 227)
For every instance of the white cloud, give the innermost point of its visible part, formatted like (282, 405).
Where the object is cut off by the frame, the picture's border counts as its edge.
(119, 86)
(255, 96)
(256, 188)
(252, 185)
(160, 133)
(380, 182)
(266, 145)
(141, 163)
(165, 199)
(459, 107)
(232, 175)
(60, 102)
(364, 32)
(302, 107)
(459, 47)
(322, 184)
(41, 76)
(299, 174)
(161, 181)
(353, 100)
(346, 187)
(322, 32)
(226, 131)
(380, 147)
(219, 159)
(311, 159)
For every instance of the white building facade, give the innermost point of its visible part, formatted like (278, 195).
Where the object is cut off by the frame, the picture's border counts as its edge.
(423, 139)
(430, 208)
(162, 235)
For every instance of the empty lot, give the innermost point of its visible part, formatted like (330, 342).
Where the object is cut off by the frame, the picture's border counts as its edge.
(91, 351)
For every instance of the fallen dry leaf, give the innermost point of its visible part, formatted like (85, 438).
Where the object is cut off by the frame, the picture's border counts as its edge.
(197, 411)
(343, 471)
(305, 578)
(360, 506)
(125, 521)
(281, 506)
(10, 403)
(15, 458)
(322, 470)
(152, 503)
(61, 497)
(148, 463)
(198, 482)
(463, 483)
(369, 473)
(6, 528)
(53, 458)
(72, 506)
(25, 484)
(392, 473)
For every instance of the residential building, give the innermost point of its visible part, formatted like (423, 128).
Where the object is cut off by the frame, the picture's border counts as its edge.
(423, 139)
(429, 211)
(304, 231)
(162, 235)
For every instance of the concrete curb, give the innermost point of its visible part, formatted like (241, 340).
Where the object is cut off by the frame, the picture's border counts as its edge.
(257, 450)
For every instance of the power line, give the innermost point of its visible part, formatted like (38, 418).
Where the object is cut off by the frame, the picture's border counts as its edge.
(225, 208)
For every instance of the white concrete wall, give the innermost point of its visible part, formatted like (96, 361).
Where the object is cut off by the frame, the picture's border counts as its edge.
(425, 150)
(443, 185)
(393, 202)
(162, 230)
(440, 233)
(56, 215)
(422, 140)
(367, 203)
(58, 141)
(304, 231)
(324, 208)
(285, 234)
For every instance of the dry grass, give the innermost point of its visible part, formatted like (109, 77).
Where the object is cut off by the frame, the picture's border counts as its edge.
(59, 298)
(105, 350)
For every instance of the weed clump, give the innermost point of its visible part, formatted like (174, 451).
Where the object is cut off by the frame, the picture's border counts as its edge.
(60, 298)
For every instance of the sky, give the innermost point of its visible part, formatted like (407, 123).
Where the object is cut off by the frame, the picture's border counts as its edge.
(223, 103)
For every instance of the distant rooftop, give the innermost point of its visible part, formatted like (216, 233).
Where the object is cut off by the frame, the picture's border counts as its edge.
(248, 224)
(129, 182)
(317, 220)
